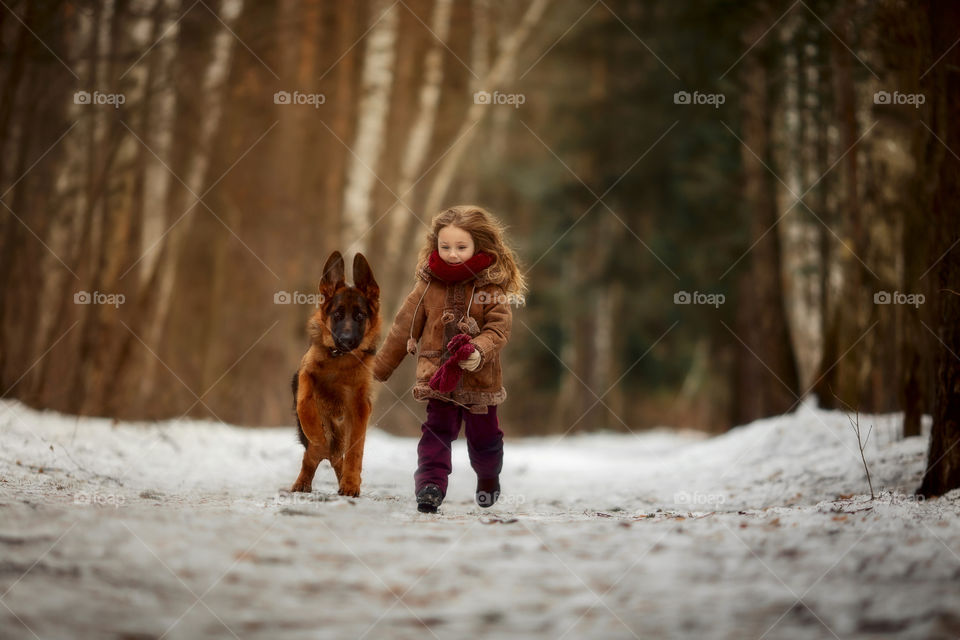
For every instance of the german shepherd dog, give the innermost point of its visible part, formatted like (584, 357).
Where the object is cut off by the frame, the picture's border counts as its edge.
(331, 389)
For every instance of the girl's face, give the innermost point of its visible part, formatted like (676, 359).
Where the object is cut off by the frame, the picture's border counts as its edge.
(455, 245)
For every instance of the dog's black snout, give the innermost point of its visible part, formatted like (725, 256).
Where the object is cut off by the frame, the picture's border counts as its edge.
(347, 340)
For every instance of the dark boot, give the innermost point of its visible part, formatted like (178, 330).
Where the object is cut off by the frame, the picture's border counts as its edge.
(488, 490)
(429, 498)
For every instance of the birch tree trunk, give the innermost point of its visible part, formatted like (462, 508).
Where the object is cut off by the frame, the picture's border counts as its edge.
(155, 127)
(376, 87)
(480, 43)
(501, 118)
(158, 135)
(123, 238)
(211, 106)
(117, 203)
(401, 216)
(796, 235)
(446, 169)
(475, 113)
(811, 147)
(343, 105)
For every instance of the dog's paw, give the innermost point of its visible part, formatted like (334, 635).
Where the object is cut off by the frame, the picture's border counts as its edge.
(349, 489)
(301, 487)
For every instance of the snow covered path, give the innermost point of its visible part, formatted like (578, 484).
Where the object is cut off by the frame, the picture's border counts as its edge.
(183, 530)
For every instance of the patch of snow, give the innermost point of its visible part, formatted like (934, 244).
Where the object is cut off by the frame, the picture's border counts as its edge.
(184, 529)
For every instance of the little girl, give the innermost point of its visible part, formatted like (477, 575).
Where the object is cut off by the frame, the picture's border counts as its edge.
(466, 278)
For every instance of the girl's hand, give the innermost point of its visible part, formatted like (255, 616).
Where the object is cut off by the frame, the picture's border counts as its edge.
(472, 363)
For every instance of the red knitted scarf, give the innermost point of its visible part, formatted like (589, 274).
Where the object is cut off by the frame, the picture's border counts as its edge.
(459, 272)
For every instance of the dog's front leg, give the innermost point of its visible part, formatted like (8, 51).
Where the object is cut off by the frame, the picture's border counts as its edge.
(353, 456)
(318, 448)
(311, 458)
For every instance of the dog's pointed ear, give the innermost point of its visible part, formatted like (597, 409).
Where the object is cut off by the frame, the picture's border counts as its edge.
(363, 277)
(333, 276)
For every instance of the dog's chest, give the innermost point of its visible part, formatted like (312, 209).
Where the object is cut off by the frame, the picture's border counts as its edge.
(328, 385)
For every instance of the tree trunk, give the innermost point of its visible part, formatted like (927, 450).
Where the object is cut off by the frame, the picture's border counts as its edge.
(344, 106)
(401, 217)
(211, 106)
(918, 238)
(839, 372)
(117, 204)
(151, 197)
(943, 458)
(158, 135)
(766, 368)
(367, 148)
(55, 299)
(475, 113)
(11, 83)
(446, 168)
(99, 150)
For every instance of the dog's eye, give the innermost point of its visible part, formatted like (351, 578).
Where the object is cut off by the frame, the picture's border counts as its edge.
(360, 316)
(338, 314)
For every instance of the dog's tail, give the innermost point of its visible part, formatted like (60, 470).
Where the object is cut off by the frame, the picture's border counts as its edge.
(295, 384)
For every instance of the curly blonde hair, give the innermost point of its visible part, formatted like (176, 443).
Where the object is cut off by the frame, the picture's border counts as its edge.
(488, 236)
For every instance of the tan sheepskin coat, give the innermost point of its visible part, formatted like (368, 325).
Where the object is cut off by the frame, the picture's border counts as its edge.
(432, 314)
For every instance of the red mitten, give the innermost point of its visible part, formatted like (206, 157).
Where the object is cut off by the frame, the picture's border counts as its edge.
(448, 375)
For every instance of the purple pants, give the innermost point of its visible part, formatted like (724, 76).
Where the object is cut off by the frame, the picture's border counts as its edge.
(484, 443)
